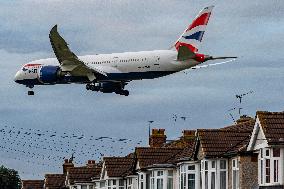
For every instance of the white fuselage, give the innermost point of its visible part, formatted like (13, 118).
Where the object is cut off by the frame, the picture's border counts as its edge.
(119, 66)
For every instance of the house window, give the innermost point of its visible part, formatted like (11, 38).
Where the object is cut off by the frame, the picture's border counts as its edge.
(276, 152)
(152, 180)
(102, 184)
(160, 179)
(276, 172)
(129, 186)
(206, 174)
(235, 175)
(189, 176)
(142, 181)
(121, 184)
(267, 171)
(267, 152)
(170, 180)
(191, 181)
(269, 166)
(213, 178)
(84, 187)
(91, 187)
(223, 174)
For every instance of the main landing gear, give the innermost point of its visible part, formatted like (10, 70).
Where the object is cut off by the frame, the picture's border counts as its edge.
(31, 92)
(108, 87)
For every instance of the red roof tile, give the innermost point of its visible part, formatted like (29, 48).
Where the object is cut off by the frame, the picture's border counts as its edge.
(224, 141)
(272, 124)
(147, 156)
(118, 166)
(55, 181)
(82, 174)
(32, 184)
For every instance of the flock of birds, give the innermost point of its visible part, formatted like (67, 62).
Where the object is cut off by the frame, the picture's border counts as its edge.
(48, 149)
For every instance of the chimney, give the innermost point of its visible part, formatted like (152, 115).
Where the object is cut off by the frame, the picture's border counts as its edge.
(244, 118)
(188, 134)
(91, 163)
(67, 164)
(157, 138)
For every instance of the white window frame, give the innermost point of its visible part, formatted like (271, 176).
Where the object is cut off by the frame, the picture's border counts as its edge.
(142, 179)
(236, 168)
(154, 176)
(213, 167)
(262, 160)
(185, 171)
(129, 181)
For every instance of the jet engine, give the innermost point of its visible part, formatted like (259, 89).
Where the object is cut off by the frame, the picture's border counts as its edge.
(49, 74)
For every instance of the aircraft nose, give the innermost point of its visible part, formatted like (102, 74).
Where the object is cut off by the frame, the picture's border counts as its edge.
(17, 77)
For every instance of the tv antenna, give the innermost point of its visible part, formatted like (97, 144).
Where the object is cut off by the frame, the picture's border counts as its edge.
(231, 115)
(240, 96)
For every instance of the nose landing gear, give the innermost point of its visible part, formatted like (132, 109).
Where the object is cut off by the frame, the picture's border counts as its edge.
(30, 92)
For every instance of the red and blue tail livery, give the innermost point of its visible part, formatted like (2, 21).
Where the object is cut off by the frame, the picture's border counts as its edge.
(192, 36)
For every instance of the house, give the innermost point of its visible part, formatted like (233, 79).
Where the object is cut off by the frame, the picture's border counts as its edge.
(267, 142)
(223, 159)
(114, 171)
(81, 177)
(32, 184)
(157, 165)
(54, 181)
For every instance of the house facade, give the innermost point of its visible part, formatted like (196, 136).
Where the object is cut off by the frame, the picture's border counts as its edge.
(267, 142)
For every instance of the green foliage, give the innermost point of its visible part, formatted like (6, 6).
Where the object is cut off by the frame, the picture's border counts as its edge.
(9, 178)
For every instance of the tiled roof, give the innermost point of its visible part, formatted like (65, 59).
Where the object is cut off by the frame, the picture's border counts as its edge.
(32, 184)
(55, 181)
(118, 166)
(225, 141)
(82, 174)
(272, 124)
(147, 156)
(185, 142)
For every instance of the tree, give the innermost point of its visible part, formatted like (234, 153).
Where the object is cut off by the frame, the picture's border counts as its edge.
(9, 178)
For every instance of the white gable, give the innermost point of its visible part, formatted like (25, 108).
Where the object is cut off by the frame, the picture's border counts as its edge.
(257, 140)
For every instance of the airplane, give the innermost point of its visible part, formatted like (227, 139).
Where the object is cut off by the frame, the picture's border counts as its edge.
(110, 73)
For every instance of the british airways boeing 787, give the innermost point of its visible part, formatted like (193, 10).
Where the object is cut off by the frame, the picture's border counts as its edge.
(109, 73)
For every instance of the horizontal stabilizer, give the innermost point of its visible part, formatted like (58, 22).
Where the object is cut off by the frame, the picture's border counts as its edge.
(214, 64)
(220, 57)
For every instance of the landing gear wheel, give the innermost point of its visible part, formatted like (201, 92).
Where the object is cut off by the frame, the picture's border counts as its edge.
(88, 86)
(123, 92)
(31, 93)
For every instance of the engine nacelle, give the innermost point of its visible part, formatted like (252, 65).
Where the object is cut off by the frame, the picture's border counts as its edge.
(49, 74)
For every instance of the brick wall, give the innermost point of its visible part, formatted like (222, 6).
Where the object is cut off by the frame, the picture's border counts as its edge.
(248, 171)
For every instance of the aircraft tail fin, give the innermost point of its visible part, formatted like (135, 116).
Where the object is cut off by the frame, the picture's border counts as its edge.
(192, 36)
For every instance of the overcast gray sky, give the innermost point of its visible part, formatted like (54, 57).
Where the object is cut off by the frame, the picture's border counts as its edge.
(251, 30)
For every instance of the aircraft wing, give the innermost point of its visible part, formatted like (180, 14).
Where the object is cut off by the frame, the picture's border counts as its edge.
(69, 62)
